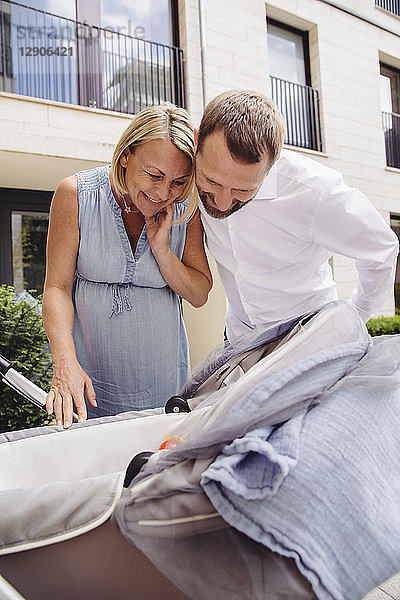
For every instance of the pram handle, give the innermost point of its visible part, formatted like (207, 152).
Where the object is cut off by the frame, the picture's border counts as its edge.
(24, 386)
(4, 365)
(7, 592)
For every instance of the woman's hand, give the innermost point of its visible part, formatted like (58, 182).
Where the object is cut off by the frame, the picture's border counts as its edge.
(190, 277)
(158, 231)
(69, 385)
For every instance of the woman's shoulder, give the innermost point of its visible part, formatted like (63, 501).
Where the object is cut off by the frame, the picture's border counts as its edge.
(92, 179)
(67, 186)
(64, 200)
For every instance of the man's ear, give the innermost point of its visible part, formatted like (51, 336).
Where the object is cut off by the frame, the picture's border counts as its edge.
(196, 139)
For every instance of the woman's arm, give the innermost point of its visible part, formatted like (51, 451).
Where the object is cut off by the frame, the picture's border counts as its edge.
(70, 381)
(191, 277)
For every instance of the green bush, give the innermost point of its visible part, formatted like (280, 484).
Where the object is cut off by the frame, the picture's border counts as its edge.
(23, 342)
(384, 325)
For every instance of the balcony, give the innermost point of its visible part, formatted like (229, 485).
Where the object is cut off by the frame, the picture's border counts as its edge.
(47, 56)
(299, 105)
(392, 6)
(391, 128)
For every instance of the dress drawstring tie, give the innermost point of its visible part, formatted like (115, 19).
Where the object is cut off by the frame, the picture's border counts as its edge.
(118, 301)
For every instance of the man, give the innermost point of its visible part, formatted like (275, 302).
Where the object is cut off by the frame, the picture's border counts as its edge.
(274, 218)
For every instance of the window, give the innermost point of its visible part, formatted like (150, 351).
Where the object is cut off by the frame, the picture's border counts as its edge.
(98, 53)
(64, 8)
(41, 32)
(147, 19)
(288, 54)
(390, 89)
(138, 74)
(389, 85)
(124, 73)
(5, 47)
(395, 225)
(289, 69)
(392, 6)
(24, 218)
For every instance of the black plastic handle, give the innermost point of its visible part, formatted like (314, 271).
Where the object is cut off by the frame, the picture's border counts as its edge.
(176, 404)
(135, 465)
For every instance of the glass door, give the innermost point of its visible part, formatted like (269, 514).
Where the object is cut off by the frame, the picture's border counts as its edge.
(28, 239)
(24, 216)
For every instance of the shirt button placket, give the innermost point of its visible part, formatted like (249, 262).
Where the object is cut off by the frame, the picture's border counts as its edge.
(234, 237)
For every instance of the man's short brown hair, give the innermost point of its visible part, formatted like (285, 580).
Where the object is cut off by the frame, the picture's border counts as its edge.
(251, 122)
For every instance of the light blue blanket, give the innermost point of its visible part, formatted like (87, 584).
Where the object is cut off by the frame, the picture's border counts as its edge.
(324, 487)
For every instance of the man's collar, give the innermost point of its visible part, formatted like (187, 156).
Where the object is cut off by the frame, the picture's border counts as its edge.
(268, 189)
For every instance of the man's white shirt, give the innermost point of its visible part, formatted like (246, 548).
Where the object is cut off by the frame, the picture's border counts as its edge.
(273, 254)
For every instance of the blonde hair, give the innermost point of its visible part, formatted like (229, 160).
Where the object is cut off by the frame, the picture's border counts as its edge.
(159, 122)
(251, 123)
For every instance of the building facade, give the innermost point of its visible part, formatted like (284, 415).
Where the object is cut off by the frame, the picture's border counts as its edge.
(332, 67)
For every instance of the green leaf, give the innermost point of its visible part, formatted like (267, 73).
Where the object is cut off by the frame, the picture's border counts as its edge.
(23, 341)
(384, 325)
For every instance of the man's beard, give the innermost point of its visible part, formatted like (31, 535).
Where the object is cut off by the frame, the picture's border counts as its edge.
(215, 212)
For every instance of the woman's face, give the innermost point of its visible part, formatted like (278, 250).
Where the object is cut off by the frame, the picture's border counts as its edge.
(155, 176)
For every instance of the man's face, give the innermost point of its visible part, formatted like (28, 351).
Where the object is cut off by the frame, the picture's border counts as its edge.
(225, 185)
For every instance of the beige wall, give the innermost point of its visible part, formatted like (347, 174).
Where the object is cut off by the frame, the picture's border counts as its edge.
(41, 141)
(205, 326)
(236, 48)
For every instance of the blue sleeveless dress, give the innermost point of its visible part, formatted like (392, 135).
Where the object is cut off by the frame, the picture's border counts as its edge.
(128, 330)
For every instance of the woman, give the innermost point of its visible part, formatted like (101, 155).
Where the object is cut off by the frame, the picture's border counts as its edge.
(124, 244)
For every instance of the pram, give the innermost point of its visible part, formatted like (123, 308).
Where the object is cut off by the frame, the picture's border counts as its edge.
(59, 490)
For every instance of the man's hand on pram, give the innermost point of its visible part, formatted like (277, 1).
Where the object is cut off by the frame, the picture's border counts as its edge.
(70, 385)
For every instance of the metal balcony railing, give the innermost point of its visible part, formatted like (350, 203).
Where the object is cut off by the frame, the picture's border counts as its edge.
(392, 6)
(391, 128)
(299, 105)
(52, 57)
